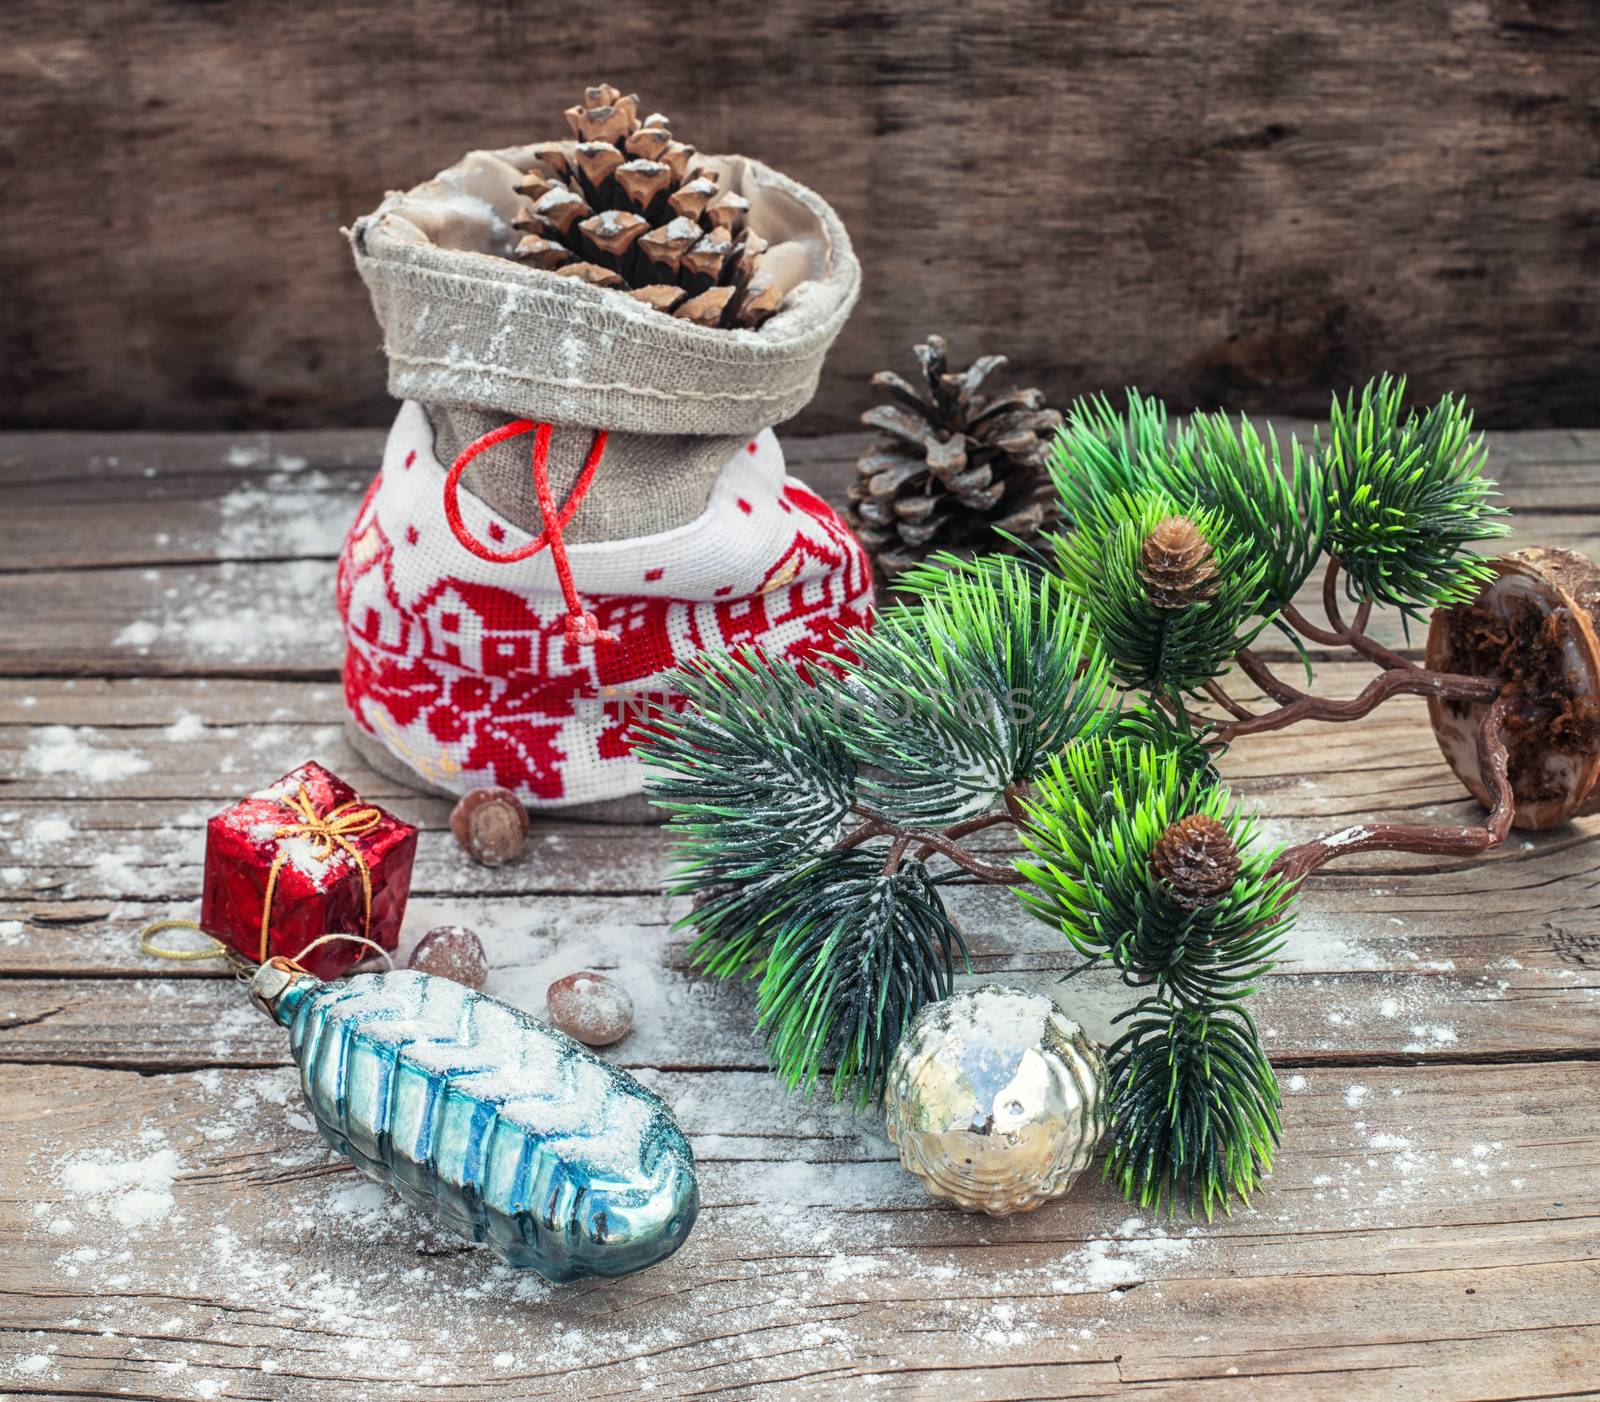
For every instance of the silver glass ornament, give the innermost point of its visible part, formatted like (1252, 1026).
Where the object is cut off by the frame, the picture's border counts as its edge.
(996, 1100)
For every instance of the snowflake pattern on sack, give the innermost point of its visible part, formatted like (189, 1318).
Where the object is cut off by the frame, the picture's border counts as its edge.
(461, 668)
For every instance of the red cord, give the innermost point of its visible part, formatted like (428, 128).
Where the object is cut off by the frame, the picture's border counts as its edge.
(582, 627)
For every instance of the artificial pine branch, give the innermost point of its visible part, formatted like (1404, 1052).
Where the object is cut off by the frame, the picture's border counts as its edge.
(818, 834)
(807, 818)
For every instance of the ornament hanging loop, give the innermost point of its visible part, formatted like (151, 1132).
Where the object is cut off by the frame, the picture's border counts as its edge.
(285, 961)
(161, 951)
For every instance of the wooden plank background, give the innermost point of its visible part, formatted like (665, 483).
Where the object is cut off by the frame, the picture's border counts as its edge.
(171, 1228)
(1233, 201)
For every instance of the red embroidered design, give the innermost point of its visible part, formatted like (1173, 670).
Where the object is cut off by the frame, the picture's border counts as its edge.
(441, 657)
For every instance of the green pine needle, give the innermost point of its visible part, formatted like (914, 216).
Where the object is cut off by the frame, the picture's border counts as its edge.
(1260, 494)
(993, 677)
(968, 688)
(1193, 1100)
(1093, 822)
(757, 779)
(1194, 1108)
(1169, 651)
(1279, 508)
(856, 953)
(1406, 497)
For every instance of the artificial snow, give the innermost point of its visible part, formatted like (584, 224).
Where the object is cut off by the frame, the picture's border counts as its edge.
(69, 752)
(133, 1191)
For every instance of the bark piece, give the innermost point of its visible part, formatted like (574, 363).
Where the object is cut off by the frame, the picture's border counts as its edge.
(553, 158)
(534, 184)
(728, 211)
(661, 250)
(1534, 626)
(775, 274)
(645, 185)
(648, 143)
(676, 158)
(692, 197)
(614, 233)
(561, 210)
(597, 162)
(701, 266)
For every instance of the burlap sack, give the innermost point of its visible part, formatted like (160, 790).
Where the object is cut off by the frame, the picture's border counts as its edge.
(477, 339)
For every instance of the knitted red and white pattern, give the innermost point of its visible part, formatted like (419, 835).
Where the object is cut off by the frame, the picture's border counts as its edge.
(462, 667)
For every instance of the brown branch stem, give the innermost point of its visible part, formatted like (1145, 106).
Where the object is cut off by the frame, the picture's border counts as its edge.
(1356, 634)
(1408, 681)
(1338, 633)
(961, 829)
(1307, 629)
(1268, 680)
(1213, 689)
(891, 861)
(878, 825)
(1299, 862)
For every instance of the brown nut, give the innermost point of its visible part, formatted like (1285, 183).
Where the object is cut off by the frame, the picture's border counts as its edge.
(453, 952)
(590, 1007)
(491, 825)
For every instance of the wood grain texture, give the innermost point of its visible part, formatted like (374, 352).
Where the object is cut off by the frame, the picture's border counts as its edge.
(218, 558)
(1432, 1229)
(1222, 202)
(1455, 1285)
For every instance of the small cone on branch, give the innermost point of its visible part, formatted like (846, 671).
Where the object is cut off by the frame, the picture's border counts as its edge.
(622, 204)
(1195, 861)
(1175, 564)
(954, 464)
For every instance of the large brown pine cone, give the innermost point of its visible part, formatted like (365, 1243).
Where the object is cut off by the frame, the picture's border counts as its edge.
(1175, 564)
(629, 207)
(1196, 861)
(954, 465)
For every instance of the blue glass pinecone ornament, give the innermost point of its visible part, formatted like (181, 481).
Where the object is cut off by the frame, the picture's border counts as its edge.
(509, 1131)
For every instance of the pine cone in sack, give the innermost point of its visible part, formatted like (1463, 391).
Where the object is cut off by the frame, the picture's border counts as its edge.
(491, 640)
(1195, 861)
(629, 207)
(955, 465)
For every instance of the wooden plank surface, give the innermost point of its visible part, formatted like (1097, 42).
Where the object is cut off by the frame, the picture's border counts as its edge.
(173, 1230)
(1227, 200)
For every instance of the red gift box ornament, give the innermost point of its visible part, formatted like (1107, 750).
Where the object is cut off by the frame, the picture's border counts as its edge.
(302, 859)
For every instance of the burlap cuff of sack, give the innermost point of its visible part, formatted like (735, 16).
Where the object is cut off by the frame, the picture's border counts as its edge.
(478, 338)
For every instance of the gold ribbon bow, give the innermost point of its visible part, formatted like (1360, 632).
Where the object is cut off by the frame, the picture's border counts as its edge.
(326, 831)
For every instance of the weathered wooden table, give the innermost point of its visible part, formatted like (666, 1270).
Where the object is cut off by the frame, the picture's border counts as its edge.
(170, 1226)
